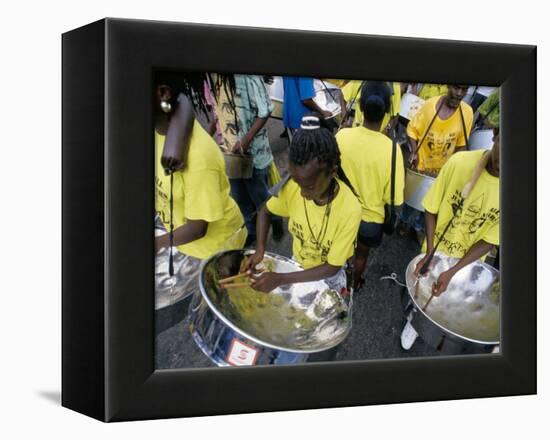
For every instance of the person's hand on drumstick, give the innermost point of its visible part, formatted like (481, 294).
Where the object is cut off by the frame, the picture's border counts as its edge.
(252, 261)
(413, 158)
(420, 264)
(443, 281)
(265, 281)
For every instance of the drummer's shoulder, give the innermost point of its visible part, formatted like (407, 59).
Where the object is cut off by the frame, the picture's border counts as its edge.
(431, 103)
(205, 154)
(467, 109)
(345, 133)
(289, 189)
(464, 159)
(348, 198)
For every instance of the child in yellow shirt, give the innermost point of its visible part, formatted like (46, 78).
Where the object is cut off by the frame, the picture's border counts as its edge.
(441, 127)
(351, 93)
(366, 160)
(192, 198)
(324, 213)
(475, 228)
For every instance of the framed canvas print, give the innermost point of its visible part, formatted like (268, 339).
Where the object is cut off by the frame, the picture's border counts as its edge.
(259, 220)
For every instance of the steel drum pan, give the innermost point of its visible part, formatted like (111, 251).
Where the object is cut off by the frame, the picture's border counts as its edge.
(240, 326)
(410, 104)
(416, 187)
(238, 166)
(173, 293)
(481, 140)
(466, 316)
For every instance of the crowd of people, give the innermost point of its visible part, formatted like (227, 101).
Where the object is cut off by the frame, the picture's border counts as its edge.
(345, 184)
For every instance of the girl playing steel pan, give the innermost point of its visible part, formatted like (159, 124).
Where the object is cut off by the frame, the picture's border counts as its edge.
(192, 198)
(324, 214)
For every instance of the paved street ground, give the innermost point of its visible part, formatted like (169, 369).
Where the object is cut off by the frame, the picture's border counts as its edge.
(377, 312)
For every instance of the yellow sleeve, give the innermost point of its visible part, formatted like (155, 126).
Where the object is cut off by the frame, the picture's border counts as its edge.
(493, 234)
(417, 125)
(279, 205)
(350, 90)
(468, 121)
(434, 197)
(343, 244)
(203, 198)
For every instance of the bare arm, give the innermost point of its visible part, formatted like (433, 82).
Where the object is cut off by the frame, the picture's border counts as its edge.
(312, 105)
(479, 249)
(263, 221)
(413, 145)
(268, 281)
(190, 231)
(176, 145)
(344, 109)
(431, 222)
(244, 143)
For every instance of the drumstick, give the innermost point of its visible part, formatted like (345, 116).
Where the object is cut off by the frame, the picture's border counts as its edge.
(428, 303)
(235, 277)
(228, 286)
(416, 288)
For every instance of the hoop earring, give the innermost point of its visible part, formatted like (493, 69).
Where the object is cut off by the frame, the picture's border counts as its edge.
(165, 106)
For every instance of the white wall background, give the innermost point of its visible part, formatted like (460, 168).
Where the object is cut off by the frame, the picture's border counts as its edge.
(30, 185)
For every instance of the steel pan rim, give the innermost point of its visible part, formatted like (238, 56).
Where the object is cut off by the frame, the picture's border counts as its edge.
(426, 176)
(241, 332)
(445, 329)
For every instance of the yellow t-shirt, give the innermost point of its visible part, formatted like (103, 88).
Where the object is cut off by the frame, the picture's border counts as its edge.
(337, 244)
(353, 90)
(430, 90)
(337, 82)
(480, 215)
(443, 137)
(366, 160)
(201, 192)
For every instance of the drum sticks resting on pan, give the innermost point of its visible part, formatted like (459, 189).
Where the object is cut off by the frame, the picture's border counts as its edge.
(231, 281)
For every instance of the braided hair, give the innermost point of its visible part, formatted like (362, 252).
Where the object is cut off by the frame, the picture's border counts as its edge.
(312, 141)
(189, 84)
(227, 83)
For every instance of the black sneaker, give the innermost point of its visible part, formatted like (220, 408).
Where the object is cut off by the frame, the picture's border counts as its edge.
(278, 231)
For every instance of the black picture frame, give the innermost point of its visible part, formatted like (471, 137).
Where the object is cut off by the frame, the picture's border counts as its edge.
(108, 288)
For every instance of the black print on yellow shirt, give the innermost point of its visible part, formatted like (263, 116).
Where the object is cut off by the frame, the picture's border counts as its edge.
(442, 145)
(163, 213)
(467, 223)
(309, 249)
